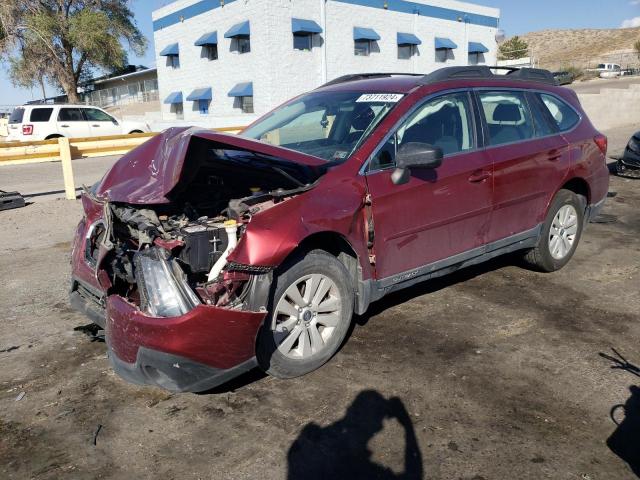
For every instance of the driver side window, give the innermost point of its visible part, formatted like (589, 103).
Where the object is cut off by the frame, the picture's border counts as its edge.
(443, 122)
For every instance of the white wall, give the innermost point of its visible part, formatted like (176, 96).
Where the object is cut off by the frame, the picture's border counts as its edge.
(278, 71)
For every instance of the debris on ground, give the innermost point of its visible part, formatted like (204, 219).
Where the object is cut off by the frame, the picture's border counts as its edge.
(20, 396)
(95, 435)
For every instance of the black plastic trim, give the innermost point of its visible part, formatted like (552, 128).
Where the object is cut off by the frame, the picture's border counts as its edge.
(174, 373)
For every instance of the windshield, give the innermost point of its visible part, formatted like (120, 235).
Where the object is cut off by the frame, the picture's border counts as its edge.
(328, 125)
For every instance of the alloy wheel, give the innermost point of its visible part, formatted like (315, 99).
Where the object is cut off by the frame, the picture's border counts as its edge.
(306, 316)
(563, 231)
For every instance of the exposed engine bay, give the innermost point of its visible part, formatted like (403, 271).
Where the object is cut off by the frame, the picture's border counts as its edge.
(168, 258)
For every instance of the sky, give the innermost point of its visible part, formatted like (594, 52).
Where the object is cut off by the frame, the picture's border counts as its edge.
(517, 17)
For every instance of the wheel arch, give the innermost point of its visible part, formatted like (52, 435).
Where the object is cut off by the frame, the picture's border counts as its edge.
(53, 135)
(579, 186)
(337, 245)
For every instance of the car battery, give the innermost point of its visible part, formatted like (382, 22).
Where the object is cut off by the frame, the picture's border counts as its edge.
(204, 244)
(9, 200)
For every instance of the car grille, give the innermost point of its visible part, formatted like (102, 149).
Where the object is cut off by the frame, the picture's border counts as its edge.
(89, 294)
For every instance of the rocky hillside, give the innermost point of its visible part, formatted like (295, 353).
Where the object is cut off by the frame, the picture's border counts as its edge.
(583, 48)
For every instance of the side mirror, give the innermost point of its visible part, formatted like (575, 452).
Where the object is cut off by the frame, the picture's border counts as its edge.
(415, 154)
(115, 122)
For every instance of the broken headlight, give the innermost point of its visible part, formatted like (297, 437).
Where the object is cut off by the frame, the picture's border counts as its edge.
(164, 291)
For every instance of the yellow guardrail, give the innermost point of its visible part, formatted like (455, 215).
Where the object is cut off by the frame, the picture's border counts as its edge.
(66, 149)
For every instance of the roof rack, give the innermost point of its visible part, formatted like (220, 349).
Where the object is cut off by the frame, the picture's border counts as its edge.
(365, 76)
(525, 74)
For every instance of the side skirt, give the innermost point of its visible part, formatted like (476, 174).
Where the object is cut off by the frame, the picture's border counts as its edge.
(380, 288)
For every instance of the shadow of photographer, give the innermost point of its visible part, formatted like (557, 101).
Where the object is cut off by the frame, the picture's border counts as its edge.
(625, 440)
(341, 449)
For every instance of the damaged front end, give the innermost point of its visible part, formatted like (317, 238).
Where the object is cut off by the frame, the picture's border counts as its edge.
(174, 301)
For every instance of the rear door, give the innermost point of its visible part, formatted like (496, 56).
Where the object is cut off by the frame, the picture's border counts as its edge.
(101, 123)
(530, 159)
(71, 123)
(439, 212)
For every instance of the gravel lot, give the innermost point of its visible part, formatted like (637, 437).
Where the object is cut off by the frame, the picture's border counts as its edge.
(495, 372)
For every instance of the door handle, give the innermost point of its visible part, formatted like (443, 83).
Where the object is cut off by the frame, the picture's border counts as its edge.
(554, 155)
(479, 176)
(65, 126)
(95, 125)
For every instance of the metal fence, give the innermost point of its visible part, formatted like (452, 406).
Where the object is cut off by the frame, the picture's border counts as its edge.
(135, 92)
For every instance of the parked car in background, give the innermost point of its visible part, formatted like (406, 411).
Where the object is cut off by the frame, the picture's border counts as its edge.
(45, 121)
(629, 164)
(609, 70)
(564, 78)
(205, 254)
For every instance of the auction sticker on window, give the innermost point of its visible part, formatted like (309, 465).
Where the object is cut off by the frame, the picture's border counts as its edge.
(380, 97)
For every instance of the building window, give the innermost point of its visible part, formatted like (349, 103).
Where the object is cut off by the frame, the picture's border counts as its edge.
(211, 52)
(173, 61)
(405, 52)
(302, 41)
(362, 48)
(246, 103)
(177, 109)
(244, 44)
(444, 54)
(203, 107)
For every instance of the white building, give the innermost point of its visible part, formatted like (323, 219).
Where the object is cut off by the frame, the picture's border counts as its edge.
(228, 61)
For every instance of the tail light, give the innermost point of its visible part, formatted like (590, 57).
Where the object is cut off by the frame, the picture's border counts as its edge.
(27, 129)
(602, 143)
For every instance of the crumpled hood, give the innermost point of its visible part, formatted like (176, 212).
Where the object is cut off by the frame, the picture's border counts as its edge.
(149, 172)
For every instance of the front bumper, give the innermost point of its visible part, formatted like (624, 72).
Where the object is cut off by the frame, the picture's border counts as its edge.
(194, 352)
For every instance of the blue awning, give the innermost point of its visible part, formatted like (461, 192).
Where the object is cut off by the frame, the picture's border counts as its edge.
(210, 38)
(174, 97)
(360, 33)
(445, 44)
(170, 51)
(476, 47)
(239, 30)
(200, 94)
(242, 90)
(299, 25)
(408, 39)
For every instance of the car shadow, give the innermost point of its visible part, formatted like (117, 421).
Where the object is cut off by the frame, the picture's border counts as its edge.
(341, 451)
(437, 284)
(625, 440)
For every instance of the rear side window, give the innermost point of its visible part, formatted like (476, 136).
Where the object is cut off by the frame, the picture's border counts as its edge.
(70, 115)
(563, 114)
(16, 115)
(508, 117)
(40, 114)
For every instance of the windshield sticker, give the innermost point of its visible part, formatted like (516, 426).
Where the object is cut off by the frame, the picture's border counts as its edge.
(380, 97)
(340, 154)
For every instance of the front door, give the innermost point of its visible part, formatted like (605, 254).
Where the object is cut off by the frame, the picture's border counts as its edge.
(101, 123)
(439, 212)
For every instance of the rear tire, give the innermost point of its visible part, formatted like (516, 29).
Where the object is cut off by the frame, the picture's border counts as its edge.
(135, 131)
(560, 235)
(309, 316)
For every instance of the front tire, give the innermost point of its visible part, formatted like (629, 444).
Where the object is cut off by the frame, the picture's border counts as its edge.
(309, 316)
(561, 233)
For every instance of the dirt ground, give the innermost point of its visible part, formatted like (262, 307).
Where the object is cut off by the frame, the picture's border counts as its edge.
(495, 372)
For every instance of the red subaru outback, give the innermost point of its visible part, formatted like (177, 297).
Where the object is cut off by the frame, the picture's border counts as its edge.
(204, 255)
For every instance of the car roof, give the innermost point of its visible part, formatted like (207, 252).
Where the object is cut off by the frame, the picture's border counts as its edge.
(459, 77)
(45, 105)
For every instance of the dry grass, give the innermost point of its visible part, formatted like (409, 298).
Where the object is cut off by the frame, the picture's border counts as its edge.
(556, 49)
